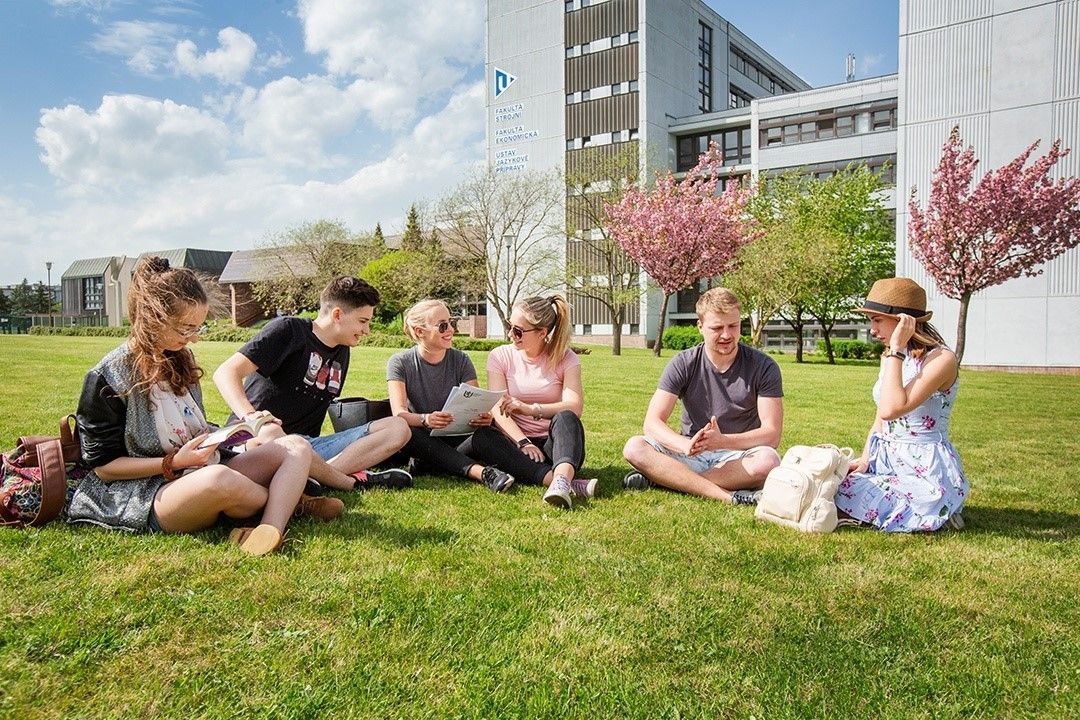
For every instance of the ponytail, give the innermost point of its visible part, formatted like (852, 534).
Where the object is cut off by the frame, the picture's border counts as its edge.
(551, 313)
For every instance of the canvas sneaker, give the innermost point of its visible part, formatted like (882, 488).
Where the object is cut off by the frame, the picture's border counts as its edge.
(745, 497)
(955, 522)
(558, 493)
(392, 479)
(496, 480)
(584, 487)
(634, 480)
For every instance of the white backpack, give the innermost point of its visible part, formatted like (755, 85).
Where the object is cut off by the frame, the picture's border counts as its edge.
(799, 492)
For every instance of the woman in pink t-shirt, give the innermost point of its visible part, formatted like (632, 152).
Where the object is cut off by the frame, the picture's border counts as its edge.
(541, 413)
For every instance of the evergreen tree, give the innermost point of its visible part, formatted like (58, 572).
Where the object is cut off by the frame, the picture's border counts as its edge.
(5, 304)
(21, 298)
(377, 238)
(41, 298)
(413, 239)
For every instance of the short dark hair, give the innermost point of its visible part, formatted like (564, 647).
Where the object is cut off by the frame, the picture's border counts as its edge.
(348, 293)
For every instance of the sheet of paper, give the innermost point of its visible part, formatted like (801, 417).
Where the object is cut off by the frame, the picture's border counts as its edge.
(466, 402)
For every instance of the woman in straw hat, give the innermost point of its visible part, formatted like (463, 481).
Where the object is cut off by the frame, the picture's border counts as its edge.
(909, 478)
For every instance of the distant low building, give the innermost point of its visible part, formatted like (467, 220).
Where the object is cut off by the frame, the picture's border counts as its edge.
(95, 290)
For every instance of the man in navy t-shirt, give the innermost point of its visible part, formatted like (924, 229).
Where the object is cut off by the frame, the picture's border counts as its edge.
(293, 368)
(732, 414)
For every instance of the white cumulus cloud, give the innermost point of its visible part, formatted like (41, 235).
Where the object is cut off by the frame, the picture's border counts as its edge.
(228, 63)
(129, 138)
(403, 52)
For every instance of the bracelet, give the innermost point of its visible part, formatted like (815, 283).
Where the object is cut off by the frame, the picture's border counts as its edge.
(901, 356)
(537, 415)
(166, 466)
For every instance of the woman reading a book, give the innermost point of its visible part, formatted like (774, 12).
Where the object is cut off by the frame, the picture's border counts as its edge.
(419, 381)
(541, 414)
(142, 429)
(909, 478)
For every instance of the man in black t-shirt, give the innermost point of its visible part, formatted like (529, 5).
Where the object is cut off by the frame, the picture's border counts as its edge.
(293, 368)
(732, 414)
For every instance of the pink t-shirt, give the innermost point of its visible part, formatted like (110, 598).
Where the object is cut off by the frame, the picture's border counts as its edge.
(531, 381)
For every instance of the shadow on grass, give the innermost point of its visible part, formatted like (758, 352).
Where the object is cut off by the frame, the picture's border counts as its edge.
(1024, 524)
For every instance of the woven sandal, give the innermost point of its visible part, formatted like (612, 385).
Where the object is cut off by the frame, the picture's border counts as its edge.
(257, 541)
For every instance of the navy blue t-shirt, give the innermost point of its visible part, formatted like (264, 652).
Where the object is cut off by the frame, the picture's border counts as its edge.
(297, 374)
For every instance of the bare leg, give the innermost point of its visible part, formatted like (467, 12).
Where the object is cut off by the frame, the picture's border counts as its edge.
(194, 501)
(746, 473)
(385, 437)
(320, 470)
(669, 472)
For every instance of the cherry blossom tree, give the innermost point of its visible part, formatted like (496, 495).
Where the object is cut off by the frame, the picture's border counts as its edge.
(682, 231)
(1012, 221)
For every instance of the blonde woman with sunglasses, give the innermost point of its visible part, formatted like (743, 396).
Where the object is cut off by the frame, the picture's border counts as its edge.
(541, 414)
(419, 380)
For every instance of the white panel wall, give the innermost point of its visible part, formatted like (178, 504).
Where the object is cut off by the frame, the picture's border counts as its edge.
(1008, 73)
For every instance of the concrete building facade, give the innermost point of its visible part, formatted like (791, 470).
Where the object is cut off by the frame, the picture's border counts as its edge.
(1007, 72)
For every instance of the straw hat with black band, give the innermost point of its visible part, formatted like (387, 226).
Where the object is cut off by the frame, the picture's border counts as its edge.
(893, 296)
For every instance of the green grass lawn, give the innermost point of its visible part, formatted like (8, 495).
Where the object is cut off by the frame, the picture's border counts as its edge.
(449, 601)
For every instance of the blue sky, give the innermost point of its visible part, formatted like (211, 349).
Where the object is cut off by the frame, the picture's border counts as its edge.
(130, 125)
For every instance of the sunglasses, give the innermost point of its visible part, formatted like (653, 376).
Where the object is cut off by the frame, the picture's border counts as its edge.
(517, 333)
(445, 325)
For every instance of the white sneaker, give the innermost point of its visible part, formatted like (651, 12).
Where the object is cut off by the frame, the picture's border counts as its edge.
(558, 493)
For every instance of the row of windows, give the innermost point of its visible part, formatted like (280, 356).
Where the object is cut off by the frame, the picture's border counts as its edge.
(827, 124)
(93, 293)
(572, 5)
(604, 43)
(885, 164)
(602, 139)
(601, 92)
(705, 68)
(751, 69)
(738, 98)
(734, 143)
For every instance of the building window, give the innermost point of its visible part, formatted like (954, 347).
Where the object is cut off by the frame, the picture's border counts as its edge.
(737, 98)
(705, 68)
(829, 123)
(884, 164)
(757, 73)
(93, 293)
(733, 142)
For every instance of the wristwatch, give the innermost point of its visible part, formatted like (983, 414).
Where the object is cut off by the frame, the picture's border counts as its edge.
(523, 442)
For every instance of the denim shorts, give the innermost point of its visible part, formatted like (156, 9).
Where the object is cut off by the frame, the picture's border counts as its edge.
(702, 461)
(330, 446)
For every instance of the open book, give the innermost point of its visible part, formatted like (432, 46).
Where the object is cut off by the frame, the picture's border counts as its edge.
(237, 433)
(466, 402)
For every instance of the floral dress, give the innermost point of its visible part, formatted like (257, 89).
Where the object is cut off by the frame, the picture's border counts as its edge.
(914, 481)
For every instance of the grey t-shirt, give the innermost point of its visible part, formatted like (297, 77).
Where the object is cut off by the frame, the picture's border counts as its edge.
(730, 395)
(427, 386)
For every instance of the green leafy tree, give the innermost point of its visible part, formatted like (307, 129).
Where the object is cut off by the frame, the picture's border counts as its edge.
(596, 267)
(5, 304)
(849, 205)
(296, 264)
(402, 277)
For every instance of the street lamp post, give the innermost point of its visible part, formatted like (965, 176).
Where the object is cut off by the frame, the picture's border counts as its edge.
(509, 240)
(48, 281)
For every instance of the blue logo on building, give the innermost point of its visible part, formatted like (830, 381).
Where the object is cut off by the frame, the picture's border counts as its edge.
(503, 80)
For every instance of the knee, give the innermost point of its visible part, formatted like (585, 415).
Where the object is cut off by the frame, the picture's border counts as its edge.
(295, 445)
(760, 462)
(636, 449)
(400, 430)
(221, 485)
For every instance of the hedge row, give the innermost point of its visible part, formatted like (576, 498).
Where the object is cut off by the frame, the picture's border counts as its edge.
(854, 349)
(681, 337)
(242, 335)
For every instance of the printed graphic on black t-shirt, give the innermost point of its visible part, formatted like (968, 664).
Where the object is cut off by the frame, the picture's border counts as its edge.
(297, 374)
